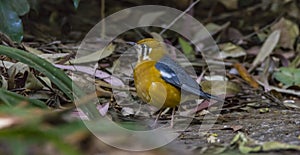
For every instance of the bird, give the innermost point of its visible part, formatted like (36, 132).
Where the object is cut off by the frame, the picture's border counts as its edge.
(159, 80)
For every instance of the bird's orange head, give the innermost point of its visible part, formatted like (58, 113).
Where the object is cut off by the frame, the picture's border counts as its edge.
(150, 49)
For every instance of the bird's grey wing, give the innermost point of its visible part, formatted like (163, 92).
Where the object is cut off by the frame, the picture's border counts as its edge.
(174, 74)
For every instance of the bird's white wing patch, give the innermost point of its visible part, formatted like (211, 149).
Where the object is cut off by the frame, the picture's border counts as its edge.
(165, 74)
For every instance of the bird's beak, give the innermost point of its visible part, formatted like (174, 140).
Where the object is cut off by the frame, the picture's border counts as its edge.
(131, 43)
(133, 48)
(134, 45)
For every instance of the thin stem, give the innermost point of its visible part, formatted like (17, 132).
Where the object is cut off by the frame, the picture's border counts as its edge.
(177, 18)
(103, 18)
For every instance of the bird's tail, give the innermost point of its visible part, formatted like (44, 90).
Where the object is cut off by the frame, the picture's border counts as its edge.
(201, 93)
(210, 96)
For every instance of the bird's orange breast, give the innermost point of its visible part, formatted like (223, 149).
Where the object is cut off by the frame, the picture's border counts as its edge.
(151, 88)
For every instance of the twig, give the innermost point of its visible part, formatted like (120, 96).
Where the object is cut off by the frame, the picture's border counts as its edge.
(292, 92)
(235, 13)
(210, 13)
(263, 28)
(103, 18)
(177, 18)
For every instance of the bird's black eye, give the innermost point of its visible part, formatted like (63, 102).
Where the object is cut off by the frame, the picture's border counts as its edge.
(144, 48)
(148, 50)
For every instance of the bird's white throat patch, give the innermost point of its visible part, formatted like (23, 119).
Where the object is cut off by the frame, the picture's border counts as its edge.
(143, 52)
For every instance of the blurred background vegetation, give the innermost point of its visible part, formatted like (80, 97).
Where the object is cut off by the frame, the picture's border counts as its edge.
(29, 126)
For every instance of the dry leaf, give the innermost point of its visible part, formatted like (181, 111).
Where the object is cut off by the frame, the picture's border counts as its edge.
(230, 50)
(3, 83)
(266, 49)
(245, 75)
(289, 32)
(32, 50)
(231, 87)
(149, 18)
(230, 4)
(234, 127)
(103, 109)
(95, 56)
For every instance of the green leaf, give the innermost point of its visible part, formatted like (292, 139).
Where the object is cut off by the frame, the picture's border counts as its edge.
(76, 3)
(187, 48)
(32, 134)
(288, 76)
(10, 24)
(247, 149)
(57, 76)
(19, 148)
(34, 5)
(296, 61)
(21, 7)
(13, 99)
(272, 146)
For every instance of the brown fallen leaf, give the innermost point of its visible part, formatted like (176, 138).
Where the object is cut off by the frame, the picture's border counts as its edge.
(289, 32)
(245, 75)
(266, 49)
(236, 128)
(102, 93)
(227, 88)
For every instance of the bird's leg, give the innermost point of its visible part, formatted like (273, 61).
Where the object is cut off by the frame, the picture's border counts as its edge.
(157, 117)
(172, 117)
